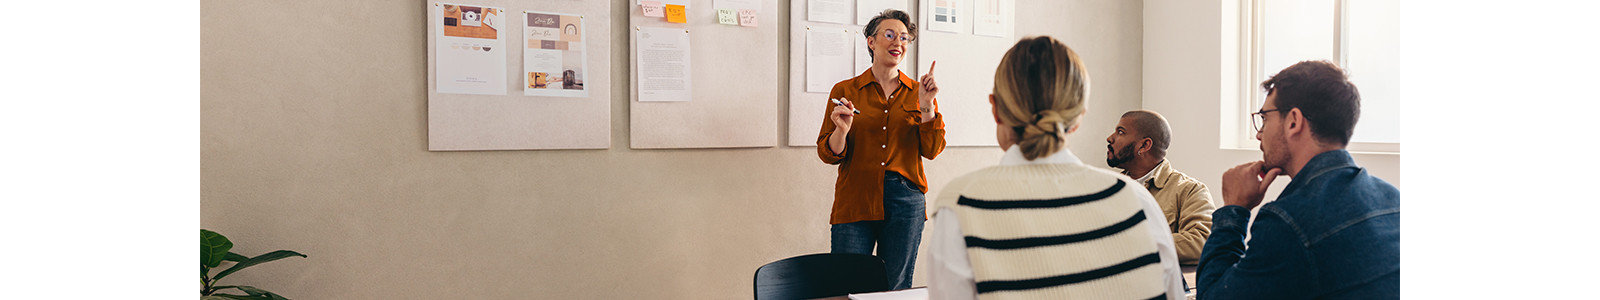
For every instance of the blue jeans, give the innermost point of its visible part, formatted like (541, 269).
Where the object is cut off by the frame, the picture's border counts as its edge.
(897, 236)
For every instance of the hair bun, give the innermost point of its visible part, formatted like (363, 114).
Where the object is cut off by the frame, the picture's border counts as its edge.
(1050, 119)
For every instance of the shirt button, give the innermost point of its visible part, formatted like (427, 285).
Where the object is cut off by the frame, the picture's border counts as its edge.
(886, 128)
(886, 146)
(883, 164)
(886, 111)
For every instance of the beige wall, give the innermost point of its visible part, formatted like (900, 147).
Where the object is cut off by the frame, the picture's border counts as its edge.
(313, 131)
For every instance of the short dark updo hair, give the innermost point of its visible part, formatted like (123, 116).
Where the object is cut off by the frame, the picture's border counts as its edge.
(889, 14)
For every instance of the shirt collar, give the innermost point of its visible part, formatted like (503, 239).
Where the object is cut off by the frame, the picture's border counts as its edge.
(1014, 157)
(866, 77)
(1322, 163)
(1150, 175)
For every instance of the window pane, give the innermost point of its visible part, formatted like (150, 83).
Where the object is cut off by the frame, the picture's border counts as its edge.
(1374, 66)
(1293, 31)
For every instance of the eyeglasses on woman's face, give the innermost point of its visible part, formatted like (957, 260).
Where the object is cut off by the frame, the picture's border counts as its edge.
(905, 37)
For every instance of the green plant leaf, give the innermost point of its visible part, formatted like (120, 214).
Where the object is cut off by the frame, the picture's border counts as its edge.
(253, 291)
(214, 298)
(239, 297)
(235, 257)
(213, 248)
(271, 256)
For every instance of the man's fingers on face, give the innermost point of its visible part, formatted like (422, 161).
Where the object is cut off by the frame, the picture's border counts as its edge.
(1266, 181)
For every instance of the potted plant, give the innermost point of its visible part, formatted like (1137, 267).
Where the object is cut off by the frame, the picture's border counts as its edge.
(214, 250)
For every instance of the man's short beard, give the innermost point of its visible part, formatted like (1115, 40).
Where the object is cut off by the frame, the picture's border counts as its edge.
(1117, 158)
(1278, 158)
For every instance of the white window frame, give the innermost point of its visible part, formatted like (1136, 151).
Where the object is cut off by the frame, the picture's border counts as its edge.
(1240, 134)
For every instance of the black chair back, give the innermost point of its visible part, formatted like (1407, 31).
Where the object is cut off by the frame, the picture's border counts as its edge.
(820, 276)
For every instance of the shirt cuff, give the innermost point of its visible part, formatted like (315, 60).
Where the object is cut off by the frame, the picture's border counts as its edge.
(826, 153)
(930, 126)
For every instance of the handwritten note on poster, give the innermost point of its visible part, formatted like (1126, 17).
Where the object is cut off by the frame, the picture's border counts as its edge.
(727, 17)
(747, 18)
(653, 9)
(677, 13)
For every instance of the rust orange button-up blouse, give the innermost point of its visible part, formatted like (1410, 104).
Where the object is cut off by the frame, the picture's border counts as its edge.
(888, 136)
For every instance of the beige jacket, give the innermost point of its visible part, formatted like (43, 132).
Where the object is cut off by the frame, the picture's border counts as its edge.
(1187, 205)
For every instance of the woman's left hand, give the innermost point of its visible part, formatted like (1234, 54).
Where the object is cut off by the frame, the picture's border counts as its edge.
(930, 88)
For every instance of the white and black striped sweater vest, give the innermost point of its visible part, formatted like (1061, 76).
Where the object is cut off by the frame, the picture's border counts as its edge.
(1056, 231)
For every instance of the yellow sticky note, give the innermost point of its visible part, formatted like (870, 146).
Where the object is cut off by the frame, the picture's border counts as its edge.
(675, 14)
(727, 17)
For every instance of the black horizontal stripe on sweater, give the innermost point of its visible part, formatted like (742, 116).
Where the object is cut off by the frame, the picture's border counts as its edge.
(1028, 284)
(1046, 203)
(977, 242)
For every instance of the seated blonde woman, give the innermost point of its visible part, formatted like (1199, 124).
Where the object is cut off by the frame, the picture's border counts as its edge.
(1042, 225)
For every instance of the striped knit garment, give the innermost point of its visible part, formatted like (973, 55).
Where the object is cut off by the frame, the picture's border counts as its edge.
(1055, 231)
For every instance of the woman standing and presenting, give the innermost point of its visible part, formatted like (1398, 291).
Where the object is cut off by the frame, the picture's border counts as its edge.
(883, 126)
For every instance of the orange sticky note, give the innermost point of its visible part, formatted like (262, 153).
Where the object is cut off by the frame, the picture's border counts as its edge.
(676, 14)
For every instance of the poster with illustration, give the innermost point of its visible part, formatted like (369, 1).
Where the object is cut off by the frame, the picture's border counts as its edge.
(470, 56)
(946, 16)
(553, 58)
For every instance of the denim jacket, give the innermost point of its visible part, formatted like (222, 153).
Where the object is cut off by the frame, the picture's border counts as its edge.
(1334, 233)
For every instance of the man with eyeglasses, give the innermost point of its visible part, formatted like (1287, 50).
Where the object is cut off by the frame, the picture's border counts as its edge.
(1334, 231)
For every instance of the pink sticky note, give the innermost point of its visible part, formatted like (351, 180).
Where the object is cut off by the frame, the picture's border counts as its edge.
(747, 17)
(653, 8)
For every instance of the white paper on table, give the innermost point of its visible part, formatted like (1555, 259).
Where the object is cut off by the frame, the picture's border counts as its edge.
(866, 9)
(466, 59)
(945, 15)
(988, 19)
(663, 57)
(553, 58)
(908, 294)
(828, 59)
(831, 11)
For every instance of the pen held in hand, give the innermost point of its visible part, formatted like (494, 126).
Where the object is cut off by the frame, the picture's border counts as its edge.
(836, 102)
